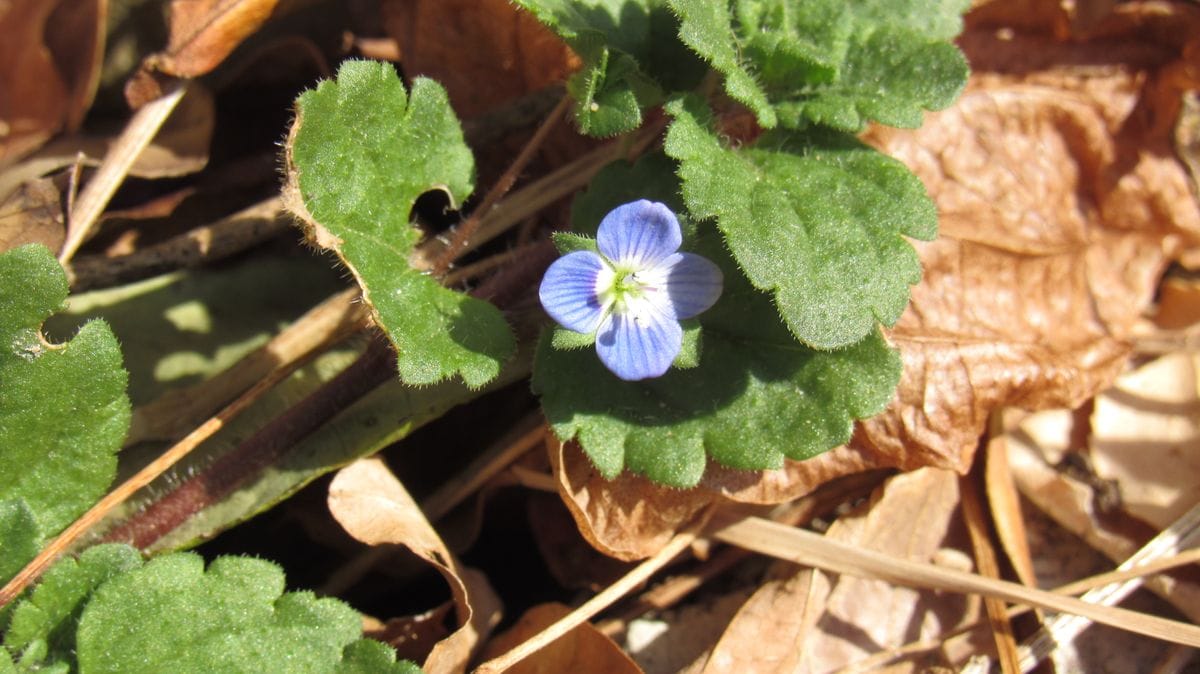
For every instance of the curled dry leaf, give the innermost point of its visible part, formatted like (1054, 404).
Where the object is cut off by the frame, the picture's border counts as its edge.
(1059, 211)
(632, 518)
(49, 68)
(202, 34)
(510, 54)
(806, 621)
(628, 518)
(374, 507)
(583, 649)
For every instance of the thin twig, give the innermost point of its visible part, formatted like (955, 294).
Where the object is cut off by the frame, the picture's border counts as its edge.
(811, 549)
(626, 584)
(485, 265)
(137, 134)
(539, 194)
(1077, 587)
(988, 565)
(1062, 629)
(223, 238)
(507, 179)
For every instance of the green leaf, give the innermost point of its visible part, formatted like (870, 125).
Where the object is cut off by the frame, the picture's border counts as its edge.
(569, 340)
(818, 219)
(630, 55)
(364, 151)
(754, 396)
(63, 408)
(172, 615)
(372, 657)
(830, 62)
(569, 242)
(42, 629)
(20, 537)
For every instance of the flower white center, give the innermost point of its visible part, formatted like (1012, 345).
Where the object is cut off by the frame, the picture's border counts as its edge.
(619, 287)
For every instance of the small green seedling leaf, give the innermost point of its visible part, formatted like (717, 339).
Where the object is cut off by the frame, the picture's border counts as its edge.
(63, 408)
(818, 219)
(367, 656)
(173, 615)
(630, 55)
(752, 396)
(829, 62)
(569, 242)
(362, 152)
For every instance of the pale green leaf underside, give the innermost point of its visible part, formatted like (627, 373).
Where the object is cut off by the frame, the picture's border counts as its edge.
(817, 219)
(173, 615)
(364, 152)
(754, 395)
(830, 62)
(63, 408)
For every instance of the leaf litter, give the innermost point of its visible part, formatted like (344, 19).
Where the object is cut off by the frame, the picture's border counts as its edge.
(1061, 204)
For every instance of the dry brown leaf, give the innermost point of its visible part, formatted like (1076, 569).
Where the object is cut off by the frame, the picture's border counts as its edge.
(510, 53)
(1059, 211)
(572, 562)
(765, 633)
(412, 636)
(629, 518)
(583, 649)
(202, 34)
(806, 621)
(179, 148)
(1146, 437)
(32, 214)
(374, 507)
(49, 67)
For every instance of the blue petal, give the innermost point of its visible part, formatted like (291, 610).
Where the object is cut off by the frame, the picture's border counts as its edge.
(568, 290)
(639, 344)
(693, 283)
(639, 234)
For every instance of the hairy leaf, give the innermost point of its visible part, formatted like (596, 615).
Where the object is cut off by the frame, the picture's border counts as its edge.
(362, 152)
(630, 56)
(42, 629)
(63, 408)
(754, 397)
(174, 615)
(20, 537)
(830, 62)
(817, 219)
(367, 656)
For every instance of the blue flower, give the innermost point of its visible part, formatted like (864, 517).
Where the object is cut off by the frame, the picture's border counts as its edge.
(632, 294)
